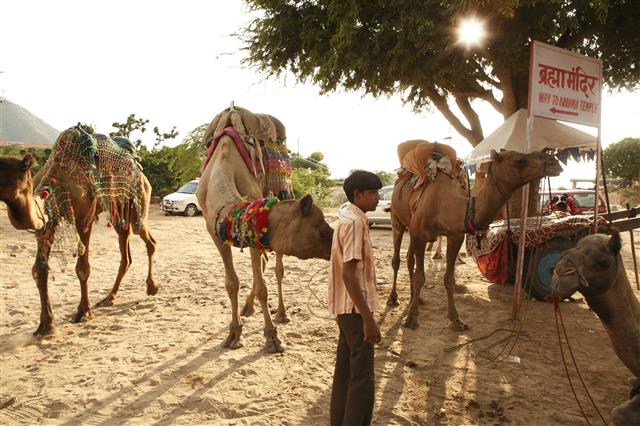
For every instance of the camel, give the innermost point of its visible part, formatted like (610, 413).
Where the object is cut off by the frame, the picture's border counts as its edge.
(594, 268)
(34, 204)
(438, 208)
(230, 180)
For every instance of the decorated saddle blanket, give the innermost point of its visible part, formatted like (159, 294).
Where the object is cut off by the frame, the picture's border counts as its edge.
(106, 170)
(245, 224)
(539, 230)
(261, 141)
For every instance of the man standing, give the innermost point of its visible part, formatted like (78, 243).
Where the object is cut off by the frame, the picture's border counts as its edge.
(353, 300)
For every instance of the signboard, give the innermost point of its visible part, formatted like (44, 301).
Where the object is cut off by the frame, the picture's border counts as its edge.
(564, 85)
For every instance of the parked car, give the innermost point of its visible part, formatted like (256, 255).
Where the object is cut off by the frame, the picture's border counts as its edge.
(182, 201)
(584, 200)
(379, 216)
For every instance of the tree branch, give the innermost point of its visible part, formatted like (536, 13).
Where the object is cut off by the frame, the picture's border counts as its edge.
(471, 116)
(441, 103)
(568, 40)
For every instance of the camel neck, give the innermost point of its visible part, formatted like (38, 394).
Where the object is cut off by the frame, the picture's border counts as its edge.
(619, 311)
(489, 201)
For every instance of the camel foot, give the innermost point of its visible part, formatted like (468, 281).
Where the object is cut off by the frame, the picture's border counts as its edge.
(233, 341)
(247, 310)
(411, 322)
(152, 288)
(627, 413)
(436, 256)
(458, 325)
(281, 317)
(110, 300)
(44, 330)
(459, 288)
(82, 316)
(273, 345)
(392, 301)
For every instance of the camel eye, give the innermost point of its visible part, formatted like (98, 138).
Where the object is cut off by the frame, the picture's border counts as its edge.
(603, 264)
(521, 162)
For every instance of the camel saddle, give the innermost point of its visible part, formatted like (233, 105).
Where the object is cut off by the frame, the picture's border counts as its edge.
(414, 154)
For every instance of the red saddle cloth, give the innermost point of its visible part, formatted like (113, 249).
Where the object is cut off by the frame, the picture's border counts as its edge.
(242, 149)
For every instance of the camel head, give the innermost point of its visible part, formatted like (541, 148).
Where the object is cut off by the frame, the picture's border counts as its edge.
(514, 169)
(16, 190)
(591, 267)
(298, 228)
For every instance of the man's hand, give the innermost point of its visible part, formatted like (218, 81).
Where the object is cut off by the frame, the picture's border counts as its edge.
(371, 330)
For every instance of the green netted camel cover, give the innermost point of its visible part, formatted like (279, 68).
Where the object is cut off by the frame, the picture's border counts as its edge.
(105, 169)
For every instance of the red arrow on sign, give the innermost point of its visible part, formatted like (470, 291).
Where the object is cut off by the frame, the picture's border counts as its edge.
(561, 111)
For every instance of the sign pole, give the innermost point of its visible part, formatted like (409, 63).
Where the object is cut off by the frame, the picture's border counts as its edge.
(599, 170)
(525, 206)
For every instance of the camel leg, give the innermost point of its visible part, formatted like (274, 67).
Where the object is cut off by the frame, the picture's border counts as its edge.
(417, 282)
(40, 272)
(438, 253)
(150, 242)
(411, 266)
(281, 314)
(83, 270)
(232, 285)
(398, 232)
(627, 413)
(124, 233)
(248, 309)
(454, 242)
(272, 342)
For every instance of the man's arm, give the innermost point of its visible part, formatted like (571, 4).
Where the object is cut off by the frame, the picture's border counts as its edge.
(371, 331)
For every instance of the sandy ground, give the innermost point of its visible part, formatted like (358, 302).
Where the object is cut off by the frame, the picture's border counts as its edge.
(158, 361)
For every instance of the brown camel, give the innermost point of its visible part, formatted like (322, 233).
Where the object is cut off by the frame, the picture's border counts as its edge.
(594, 268)
(437, 208)
(296, 228)
(64, 179)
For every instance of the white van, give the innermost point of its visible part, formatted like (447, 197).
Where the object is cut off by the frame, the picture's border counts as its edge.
(182, 201)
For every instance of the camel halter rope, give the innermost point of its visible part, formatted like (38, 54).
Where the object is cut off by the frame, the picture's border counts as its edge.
(559, 325)
(245, 225)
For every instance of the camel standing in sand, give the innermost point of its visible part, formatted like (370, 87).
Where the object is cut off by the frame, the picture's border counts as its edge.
(27, 211)
(594, 268)
(438, 208)
(296, 228)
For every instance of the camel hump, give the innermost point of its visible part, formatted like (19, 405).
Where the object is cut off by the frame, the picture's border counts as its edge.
(413, 154)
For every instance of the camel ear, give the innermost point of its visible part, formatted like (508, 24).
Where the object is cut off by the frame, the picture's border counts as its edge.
(305, 204)
(27, 162)
(614, 243)
(495, 156)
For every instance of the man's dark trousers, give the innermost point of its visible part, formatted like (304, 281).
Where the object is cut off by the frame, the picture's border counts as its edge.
(352, 395)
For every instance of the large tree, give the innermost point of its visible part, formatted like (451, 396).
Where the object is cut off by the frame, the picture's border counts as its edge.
(411, 48)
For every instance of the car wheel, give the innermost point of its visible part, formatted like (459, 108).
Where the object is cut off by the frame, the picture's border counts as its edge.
(542, 268)
(191, 210)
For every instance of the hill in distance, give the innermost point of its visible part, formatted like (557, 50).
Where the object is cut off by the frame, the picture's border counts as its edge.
(19, 125)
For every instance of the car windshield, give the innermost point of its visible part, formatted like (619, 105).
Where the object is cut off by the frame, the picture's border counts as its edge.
(386, 194)
(584, 200)
(188, 188)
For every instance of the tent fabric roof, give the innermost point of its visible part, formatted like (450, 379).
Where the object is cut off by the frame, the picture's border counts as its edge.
(511, 135)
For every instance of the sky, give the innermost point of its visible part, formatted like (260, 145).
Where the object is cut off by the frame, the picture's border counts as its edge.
(179, 64)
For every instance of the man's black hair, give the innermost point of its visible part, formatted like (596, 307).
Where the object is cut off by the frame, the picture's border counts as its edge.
(563, 197)
(360, 180)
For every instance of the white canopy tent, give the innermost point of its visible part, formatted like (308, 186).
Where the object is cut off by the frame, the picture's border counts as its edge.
(512, 135)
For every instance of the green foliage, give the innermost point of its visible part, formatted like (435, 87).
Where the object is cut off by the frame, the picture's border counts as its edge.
(131, 125)
(40, 154)
(311, 176)
(622, 159)
(410, 47)
(169, 168)
(387, 178)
